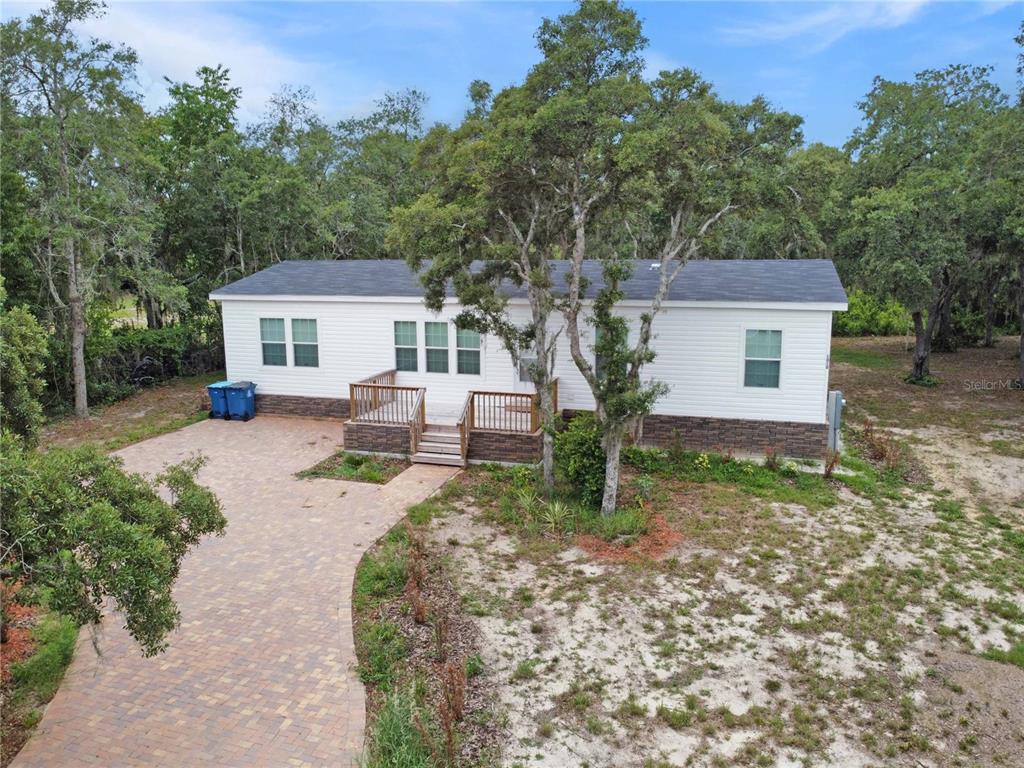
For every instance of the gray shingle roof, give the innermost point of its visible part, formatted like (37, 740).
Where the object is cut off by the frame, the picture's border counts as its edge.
(746, 281)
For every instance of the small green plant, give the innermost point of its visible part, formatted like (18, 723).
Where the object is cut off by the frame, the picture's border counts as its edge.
(474, 666)
(676, 719)
(557, 518)
(581, 458)
(526, 670)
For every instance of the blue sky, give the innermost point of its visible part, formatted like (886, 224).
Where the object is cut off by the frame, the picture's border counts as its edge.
(815, 59)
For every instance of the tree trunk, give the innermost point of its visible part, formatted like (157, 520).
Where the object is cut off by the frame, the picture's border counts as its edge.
(613, 440)
(945, 338)
(922, 347)
(1020, 318)
(154, 316)
(990, 311)
(547, 420)
(76, 302)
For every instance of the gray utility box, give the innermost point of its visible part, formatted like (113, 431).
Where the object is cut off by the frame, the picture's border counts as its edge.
(834, 415)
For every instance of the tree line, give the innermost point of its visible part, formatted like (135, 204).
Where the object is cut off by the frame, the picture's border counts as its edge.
(105, 202)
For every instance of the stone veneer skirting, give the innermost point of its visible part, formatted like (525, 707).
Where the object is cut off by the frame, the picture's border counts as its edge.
(292, 405)
(376, 438)
(698, 433)
(511, 447)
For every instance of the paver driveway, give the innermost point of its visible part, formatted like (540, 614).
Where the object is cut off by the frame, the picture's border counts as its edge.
(261, 671)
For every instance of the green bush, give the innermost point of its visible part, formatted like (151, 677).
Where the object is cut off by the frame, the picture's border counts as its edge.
(869, 315)
(23, 355)
(581, 459)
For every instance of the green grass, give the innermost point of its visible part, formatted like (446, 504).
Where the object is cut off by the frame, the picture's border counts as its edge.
(676, 719)
(863, 358)
(146, 431)
(1013, 656)
(381, 573)
(395, 741)
(36, 679)
(787, 484)
(355, 467)
(382, 647)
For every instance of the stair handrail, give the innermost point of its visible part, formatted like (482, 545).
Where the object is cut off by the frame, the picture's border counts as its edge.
(417, 420)
(465, 424)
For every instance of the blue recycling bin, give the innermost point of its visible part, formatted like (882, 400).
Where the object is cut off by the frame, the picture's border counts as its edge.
(218, 399)
(241, 400)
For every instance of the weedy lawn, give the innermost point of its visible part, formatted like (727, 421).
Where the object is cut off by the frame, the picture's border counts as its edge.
(738, 614)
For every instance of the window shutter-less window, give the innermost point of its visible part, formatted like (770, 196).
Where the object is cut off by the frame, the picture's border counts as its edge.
(436, 342)
(272, 339)
(763, 359)
(467, 351)
(405, 345)
(305, 348)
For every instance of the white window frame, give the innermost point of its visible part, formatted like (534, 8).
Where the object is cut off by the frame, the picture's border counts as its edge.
(479, 349)
(286, 322)
(415, 347)
(743, 359)
(294, 344)
(448, 348)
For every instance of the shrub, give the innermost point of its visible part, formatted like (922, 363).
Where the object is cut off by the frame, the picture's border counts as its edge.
(23, 354)
(869, 315)
(581, 458)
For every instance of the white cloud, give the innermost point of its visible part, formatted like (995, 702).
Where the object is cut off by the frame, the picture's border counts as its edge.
(173, 40)
(823, 26)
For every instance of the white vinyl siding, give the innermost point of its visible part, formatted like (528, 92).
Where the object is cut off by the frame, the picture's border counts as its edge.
(700, 356)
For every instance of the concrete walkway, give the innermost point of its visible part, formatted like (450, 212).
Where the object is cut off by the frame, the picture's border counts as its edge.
(261, 671)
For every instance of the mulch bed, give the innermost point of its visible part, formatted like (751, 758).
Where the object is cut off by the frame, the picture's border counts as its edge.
(659, 540)
(19, 638)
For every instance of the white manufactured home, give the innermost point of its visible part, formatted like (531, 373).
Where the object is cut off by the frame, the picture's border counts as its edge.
(742, 345)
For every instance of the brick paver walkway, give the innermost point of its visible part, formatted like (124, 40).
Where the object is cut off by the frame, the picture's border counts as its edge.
(261, 671)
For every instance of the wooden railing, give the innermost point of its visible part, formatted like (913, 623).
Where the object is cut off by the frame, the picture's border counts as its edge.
(464, 424)
(417, 420)
(506, 411)
(386, 378)
(382, 403)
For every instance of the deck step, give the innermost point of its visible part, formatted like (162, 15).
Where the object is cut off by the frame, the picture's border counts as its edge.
(422, 457)
(431, 446)
(430, 436)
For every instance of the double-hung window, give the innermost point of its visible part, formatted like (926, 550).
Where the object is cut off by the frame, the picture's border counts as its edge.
(405, 345)
(467, 351)
(436, 342)
(762, 359)
(275, 351)
(305, 349)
